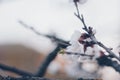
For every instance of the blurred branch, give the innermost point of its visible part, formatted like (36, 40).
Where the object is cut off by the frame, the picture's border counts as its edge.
(42, 70)
(52, 37)
(80, 54)
(106, 61)
(90, 33)
(14, 70)
(23, 78)
(37, 78)
(60, 44)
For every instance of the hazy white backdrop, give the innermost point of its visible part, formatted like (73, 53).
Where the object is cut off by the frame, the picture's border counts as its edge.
(57, 16)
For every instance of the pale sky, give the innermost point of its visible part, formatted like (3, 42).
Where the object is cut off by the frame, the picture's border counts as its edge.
(57, 16)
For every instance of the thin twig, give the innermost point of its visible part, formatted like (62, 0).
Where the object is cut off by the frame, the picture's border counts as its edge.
(81, 18)
(80, 54)
(30, 27)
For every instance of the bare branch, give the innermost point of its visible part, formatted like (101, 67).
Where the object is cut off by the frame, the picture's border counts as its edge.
(108, 50)
(80, 17)
(52, 37)
(42, 70)
(15, 70)
(106, 61)
(23, 78)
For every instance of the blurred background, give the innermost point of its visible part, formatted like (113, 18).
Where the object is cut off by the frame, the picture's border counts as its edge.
(21, 48)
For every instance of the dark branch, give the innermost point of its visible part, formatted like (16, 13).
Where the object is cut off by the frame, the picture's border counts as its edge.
(14, 70)
(108, 50)
(48, 60)
(42, 70)
(106, 61)
(23, 78)
(80, 17)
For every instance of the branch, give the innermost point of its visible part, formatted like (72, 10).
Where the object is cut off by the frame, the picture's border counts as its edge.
(79, 54)
(23, 78)
(80, 17)
(106, 61)
(90, 33)
(39, 78)
(60, 44)
(52, 37)
(14, 70)
(108, 50)
(42, 70)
